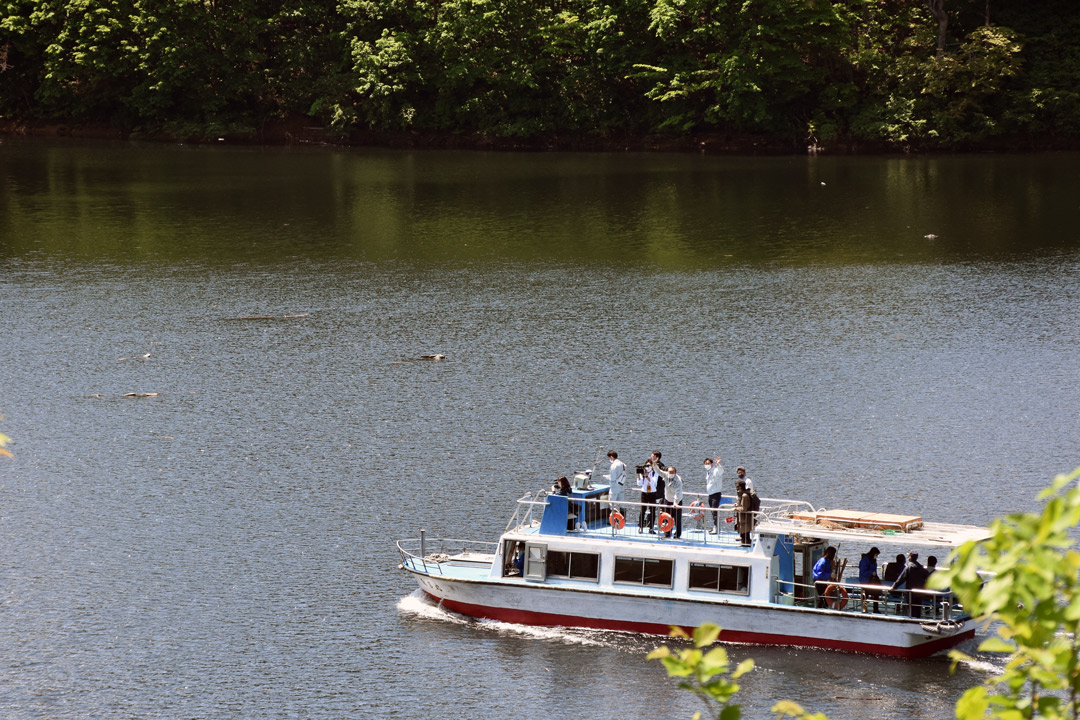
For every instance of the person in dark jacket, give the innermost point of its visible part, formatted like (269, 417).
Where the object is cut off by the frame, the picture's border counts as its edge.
(744, 518)
(913, 576)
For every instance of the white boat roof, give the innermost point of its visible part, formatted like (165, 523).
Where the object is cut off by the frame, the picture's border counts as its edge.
(931, 534)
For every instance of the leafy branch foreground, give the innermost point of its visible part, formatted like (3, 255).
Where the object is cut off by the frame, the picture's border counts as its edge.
(1033, 594)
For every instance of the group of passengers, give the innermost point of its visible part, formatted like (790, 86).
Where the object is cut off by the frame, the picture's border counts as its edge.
(661, 489)
(906, 577)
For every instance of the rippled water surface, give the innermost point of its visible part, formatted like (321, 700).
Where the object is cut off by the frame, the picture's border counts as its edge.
(225, 548)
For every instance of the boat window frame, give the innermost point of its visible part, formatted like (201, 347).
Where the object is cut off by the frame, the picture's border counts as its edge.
(535, 562)
(644, 574)
(719, 567)
(570, 565)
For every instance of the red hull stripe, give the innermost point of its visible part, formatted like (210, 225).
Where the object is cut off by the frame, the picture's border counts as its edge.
(528, 617)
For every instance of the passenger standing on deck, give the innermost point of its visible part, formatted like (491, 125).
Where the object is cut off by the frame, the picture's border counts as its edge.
(714, 473)
(868, 575)
(617, 474)
(744, 519)
(673, 494)
(653, 466)
(755, 502)
(648, 497)
(914, 575)
(823, 575)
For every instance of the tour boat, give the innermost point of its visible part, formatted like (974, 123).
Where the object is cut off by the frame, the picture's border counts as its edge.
(581, 564)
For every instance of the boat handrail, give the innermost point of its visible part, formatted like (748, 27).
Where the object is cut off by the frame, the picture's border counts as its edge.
(523, 517)
(417, 553)
(527, 502)
(941, 604)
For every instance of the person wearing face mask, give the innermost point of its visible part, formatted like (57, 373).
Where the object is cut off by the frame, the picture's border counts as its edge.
(673, 495)
(714, 472)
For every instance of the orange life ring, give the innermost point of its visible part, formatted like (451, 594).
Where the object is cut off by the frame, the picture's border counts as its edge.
(836, 597)
(697, 510)
(617, 520)
(666, 522)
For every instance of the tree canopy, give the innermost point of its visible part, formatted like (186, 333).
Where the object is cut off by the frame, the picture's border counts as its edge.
(882, 73)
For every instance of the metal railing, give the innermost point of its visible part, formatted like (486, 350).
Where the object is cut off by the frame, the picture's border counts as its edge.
(930, 605)
(700, 516)
(426, 555)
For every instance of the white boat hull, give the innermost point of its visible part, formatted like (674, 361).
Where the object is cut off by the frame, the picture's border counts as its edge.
(522, 602)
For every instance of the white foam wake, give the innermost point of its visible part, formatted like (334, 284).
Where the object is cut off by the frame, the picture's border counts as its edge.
(418, 604)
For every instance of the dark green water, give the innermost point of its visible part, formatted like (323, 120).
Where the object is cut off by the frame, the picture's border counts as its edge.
(225, 549)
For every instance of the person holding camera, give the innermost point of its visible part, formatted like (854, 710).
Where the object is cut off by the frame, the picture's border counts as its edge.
(652, 489)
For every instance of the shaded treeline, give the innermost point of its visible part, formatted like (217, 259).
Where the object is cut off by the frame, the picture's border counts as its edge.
(890, 73)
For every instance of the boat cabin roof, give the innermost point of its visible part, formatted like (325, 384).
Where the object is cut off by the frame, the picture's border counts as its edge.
(904, 531)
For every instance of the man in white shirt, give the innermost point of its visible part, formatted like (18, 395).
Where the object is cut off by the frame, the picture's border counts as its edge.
(714, 473)
(673, 494)
(617, 476)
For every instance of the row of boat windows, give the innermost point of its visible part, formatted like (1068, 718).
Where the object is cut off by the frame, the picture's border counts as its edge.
(651, 572)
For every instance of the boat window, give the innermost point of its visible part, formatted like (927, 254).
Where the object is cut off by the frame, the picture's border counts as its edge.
(644, 571)
(585, 566)
(720, 578)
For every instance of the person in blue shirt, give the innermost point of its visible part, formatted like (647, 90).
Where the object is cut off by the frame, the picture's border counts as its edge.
(519, 559)
(868, 575)
(823, 570)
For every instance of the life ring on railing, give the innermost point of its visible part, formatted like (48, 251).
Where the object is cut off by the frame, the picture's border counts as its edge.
(617, 520)
(836, 597)
(666, 522)
(697, 510)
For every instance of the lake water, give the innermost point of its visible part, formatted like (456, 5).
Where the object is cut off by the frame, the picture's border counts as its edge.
(894, 334)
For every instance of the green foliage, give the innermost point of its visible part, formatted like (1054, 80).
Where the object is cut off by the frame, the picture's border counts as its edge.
(787, 708)
(749, 65)
(705, 672)
(1034, 594)
(4, 440)
(798, 70)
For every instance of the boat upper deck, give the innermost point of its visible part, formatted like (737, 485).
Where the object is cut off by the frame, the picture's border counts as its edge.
(586, 513)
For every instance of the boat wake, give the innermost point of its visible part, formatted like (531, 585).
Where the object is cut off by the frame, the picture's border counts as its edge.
(417, 604)
(990, 667)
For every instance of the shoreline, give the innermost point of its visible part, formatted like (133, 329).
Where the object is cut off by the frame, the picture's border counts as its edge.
(300, 133)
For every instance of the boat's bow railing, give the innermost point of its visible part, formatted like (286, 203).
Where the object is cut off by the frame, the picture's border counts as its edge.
(427, 555)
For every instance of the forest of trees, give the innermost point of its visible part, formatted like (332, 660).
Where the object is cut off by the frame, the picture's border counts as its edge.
(859, 74)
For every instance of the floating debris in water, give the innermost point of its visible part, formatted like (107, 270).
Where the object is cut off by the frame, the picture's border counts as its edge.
(271, 317)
